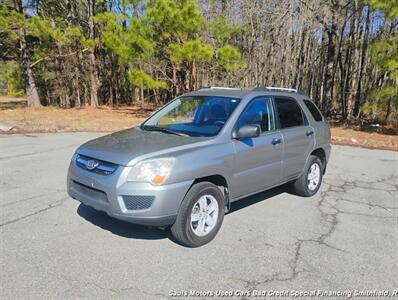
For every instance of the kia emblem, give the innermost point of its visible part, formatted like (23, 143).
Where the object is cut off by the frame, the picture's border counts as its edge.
(92, 164)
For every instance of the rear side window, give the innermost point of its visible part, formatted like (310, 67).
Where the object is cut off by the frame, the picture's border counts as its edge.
(258, 112)
(316, 114)
(289, 112)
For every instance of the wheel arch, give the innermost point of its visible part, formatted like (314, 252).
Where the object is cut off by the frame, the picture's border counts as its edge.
(216, 179)
(321, 154)
(221, 182)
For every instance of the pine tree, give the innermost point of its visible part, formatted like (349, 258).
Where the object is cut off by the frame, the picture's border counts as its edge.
(15, 24)
(385, 56)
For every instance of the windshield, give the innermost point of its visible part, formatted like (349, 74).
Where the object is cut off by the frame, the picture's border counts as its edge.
(193, 116)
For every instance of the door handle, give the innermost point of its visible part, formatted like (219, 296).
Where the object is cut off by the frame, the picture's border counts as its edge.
(276, 141)
(309, 132)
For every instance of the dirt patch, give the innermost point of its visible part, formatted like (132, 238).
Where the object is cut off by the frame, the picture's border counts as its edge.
(50, 119)
(108, 119)
(371, 140)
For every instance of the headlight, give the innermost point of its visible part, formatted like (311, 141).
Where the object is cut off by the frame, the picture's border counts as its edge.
(154, 171)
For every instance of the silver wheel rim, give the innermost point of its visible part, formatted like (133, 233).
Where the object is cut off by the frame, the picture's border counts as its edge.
(313, 177)
(204, 215)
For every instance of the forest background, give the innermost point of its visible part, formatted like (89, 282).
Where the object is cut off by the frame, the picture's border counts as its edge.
(111, 53)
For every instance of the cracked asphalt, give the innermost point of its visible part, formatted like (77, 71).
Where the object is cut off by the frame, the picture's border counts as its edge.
(343, 238)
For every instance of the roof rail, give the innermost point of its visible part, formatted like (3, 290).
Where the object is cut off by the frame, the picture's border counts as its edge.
(218, 88)
(281, 89)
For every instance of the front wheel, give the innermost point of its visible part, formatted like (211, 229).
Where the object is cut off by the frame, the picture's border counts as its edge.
(310, 180)
(200, 215)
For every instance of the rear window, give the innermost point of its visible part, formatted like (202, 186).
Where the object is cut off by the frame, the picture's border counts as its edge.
(313, 110)
(289, 112)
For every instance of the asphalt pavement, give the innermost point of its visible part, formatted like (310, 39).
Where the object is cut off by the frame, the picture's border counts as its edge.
(343, 239)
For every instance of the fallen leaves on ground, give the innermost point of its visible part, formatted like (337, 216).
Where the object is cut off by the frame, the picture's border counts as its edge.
(372, 140)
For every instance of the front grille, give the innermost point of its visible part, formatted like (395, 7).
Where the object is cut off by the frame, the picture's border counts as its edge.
(89, 191)
(138, 202)
(99, 166)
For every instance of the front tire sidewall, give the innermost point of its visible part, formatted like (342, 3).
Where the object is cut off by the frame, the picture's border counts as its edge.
(187, 236)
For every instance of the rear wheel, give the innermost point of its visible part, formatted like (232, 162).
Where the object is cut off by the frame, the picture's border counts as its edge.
(310, 180)
(200, 215)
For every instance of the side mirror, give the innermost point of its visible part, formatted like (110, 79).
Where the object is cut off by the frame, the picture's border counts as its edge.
(247, 131)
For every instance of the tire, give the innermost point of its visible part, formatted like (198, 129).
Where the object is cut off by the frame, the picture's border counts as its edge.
(305, 187)
(186, 230)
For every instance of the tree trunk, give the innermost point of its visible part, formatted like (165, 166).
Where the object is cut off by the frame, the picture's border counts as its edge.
(77, 87)
(94, 82)
(388, 112)
(29, 83)
(328, 76)
(364, 45)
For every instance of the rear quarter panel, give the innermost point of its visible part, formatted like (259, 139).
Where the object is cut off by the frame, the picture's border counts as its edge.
(321, 130)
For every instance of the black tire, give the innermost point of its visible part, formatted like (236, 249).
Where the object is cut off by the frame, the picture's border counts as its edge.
(182, 230)
(301, 184)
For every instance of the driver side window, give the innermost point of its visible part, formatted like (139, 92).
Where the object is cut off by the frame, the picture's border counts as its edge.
(258, 112)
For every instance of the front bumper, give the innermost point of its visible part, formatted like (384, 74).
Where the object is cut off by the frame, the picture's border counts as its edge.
(109, 193)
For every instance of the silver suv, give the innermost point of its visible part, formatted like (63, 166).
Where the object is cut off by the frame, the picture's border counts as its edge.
(194, 156)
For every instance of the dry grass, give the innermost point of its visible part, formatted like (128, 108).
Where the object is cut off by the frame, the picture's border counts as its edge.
(8, 99)
(12, 102)
(108, 119)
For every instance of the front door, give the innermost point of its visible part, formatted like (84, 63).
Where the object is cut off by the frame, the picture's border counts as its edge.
(257, 160)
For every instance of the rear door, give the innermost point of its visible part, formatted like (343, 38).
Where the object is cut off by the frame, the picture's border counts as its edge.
(298, 136)
(322, 134)
(257, 160)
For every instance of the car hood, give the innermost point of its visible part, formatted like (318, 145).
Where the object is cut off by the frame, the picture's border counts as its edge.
(123, 146)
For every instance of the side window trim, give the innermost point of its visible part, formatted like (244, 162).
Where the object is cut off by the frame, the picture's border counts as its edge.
(316, 107)
(276, 114)
(303, 115)
(270, 98)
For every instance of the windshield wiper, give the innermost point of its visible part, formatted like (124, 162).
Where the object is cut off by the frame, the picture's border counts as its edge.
(163, 129)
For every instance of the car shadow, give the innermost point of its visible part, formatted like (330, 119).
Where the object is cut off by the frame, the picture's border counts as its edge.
(261, 196)
(133, 231)
(120, 228)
